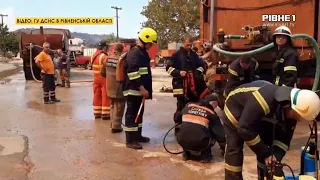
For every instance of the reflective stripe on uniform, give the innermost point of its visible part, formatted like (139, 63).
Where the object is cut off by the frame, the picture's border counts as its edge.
(232, 72)
(97, 109)
(131, 92)
(277, 80)
(170, 70)
(240, 90)
(177, 91)
(133, 129)
(196, 120)
(201, 107)
(254, 141)
(262, 102)
(143, 70)
(96, 68)
(230, 116)
(290, 68)
(261, 165)
(280, 145)
(237, 169)
(134, 75)
(200, 69)
(281, 60)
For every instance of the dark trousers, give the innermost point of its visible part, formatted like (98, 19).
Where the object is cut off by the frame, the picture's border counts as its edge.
(234, 148)
(133, 130)
(49, 87)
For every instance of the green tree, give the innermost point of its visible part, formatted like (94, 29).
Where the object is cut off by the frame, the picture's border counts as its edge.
(172, 19)
(8, 40)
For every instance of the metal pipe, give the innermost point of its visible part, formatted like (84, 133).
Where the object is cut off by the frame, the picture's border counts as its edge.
(235, 37)
(212, 20)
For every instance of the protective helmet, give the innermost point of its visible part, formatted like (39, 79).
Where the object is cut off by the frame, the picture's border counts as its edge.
(148, 35)
(206, 45)
(283, 30)
(306, 103)
(103, 43)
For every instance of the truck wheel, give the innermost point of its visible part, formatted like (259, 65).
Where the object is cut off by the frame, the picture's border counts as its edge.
(28, 74)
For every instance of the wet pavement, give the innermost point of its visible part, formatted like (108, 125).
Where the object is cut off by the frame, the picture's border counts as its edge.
(64, 142)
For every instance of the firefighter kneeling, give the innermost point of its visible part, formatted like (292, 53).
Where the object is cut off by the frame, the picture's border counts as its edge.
(246, 109)
(200, 126)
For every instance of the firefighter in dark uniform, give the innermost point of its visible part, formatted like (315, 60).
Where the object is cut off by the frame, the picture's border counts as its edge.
(138, 86)
(188, 83)
(246, 109)
(243, 70)
(200, 126)
(285, 65)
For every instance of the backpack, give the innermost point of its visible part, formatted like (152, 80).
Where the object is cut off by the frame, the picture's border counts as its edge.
(120, 69)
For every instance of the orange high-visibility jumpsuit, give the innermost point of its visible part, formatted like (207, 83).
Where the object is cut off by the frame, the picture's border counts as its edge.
(101, 101)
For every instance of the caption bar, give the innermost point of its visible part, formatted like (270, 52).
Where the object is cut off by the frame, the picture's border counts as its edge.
(64, 21)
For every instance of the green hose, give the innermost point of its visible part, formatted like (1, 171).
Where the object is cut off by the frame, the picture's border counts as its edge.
(271, 45)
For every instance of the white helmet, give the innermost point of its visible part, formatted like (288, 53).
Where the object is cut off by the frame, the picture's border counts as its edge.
(283, 30)
(306, 103)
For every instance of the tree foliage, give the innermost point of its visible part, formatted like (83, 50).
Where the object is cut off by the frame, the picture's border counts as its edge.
(8, 40)
(172, 19)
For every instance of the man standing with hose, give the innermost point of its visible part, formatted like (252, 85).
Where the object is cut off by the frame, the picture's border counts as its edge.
(188, 83)
(101, 102)
(114, 89)
(246, 108)
(138, 86)
(285, 66)
(44, 61)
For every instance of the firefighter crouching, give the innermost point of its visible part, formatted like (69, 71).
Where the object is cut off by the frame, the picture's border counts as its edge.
(64, 75)
(285, 65)
(101, 102)
(44, 61)
(245, 110)
(200, 126)
(243, 70)
(138, 86)
(188, 83)
(114, 89)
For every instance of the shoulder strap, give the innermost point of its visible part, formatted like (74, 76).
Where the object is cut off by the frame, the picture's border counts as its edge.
(93, 58)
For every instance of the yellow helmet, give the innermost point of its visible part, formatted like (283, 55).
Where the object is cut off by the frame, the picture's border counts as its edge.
(148, 35)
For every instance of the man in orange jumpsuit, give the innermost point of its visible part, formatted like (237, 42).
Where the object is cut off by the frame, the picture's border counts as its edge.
(101, 102)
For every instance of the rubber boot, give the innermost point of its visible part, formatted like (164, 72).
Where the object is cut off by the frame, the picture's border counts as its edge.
(68, 84)
(141, 138)
(63, 83)
(185, 155)
(206, 156)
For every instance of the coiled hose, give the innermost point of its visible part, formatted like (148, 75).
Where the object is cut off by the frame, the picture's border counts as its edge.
(271, 45)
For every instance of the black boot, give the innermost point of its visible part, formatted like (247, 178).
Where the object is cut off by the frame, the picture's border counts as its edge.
(185, 155)
(141, 138)
(134, 145)
(68, 83)
(63, 83)
(206, 156)
(53, 97)
(113, 131)
(46, 99)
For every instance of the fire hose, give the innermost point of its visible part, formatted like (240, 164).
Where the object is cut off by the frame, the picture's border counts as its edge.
(31, 46)
(314, 43)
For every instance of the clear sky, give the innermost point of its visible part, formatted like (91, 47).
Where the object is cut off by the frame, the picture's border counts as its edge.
(129, 21)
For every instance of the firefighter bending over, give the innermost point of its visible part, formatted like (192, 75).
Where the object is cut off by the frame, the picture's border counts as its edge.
(114, 89)
(285, 65)
(188, 83)
(243, 70)
(200, 126)
(245, 110)
(138, 86)
(101, 102)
